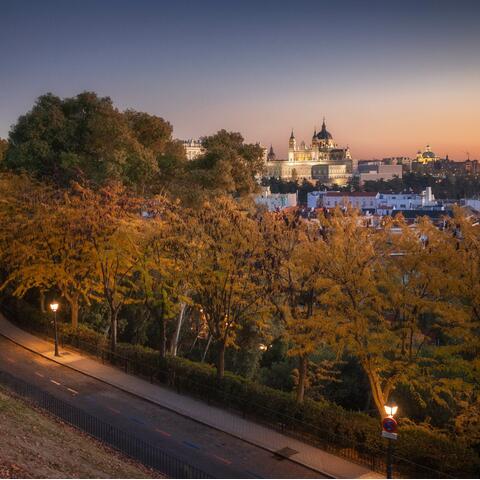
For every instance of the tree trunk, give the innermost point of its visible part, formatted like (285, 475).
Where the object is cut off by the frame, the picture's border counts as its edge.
(206, 348)
(376, 390)
(43, 308)
(163, 336)
(177, 330)
(113, 330)
(221, 360)
(74, 311)
(302, 377)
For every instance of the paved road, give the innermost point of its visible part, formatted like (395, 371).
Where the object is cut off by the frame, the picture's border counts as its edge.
(217, 453)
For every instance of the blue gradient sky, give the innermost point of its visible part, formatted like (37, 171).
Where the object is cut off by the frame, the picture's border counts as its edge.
(388, 76)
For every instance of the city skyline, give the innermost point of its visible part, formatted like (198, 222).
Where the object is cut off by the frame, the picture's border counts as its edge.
(389, 79)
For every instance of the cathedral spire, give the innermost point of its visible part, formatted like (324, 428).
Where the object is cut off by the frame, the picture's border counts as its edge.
(292, 136)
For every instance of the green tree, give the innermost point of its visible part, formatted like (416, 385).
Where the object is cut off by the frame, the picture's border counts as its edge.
(229, 165)
(83, 138)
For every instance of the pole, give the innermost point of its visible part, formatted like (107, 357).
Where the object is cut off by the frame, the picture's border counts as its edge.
(56, 333)
(390, 458)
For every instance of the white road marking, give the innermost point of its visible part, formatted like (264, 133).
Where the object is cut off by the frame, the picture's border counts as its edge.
(39, 374)
(72, 390)
(56, 383)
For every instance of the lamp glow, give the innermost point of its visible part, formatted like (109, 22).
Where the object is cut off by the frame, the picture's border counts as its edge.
(391, 409)
(54, 306)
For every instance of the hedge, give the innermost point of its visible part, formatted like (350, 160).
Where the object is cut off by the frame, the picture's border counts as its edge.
(419, 452)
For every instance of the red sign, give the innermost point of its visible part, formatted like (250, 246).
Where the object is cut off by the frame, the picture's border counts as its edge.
(389, 425)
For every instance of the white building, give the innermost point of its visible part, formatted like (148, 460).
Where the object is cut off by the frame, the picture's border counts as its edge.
(358, 200)
(193, 149)
(276, 201)
(315, 198)
(388, 203)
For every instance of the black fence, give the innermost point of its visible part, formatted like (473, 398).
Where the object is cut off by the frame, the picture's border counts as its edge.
(125, 443)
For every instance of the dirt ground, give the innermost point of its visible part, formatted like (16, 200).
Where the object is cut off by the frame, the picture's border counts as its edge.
(35, 445)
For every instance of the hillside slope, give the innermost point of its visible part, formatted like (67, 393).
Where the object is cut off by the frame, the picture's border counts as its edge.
(35, 445)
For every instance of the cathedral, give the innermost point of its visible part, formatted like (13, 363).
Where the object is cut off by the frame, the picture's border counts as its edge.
(321, 161)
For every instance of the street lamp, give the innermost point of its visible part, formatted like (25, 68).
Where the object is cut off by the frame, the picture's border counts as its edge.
(54, 308)
(391, 409)
(389, 431)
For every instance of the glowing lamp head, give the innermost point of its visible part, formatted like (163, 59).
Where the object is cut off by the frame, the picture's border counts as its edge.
(262, 347)
(391, 409)
(54, 306)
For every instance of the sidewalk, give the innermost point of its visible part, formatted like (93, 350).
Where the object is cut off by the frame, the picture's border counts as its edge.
(217, 418)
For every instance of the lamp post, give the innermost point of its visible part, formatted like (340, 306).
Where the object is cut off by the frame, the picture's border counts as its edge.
(54, 308)
(389, 431)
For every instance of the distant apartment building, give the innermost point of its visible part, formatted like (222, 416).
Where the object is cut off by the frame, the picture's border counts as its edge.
(389, 203)
(364, 201)
(378, 171)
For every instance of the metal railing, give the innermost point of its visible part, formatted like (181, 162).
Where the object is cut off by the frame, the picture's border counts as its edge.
(131, 446)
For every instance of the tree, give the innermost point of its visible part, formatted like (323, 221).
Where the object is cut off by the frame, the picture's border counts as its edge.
(229, 165)
(83, 138)
(155, 134)
(3, 150)
(226, 281)
(163, 266)
(43, 233)
(114, 230)
(298, 289)
(383, 299)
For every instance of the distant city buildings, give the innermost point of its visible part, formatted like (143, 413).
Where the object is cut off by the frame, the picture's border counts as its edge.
(377, 203)
(321, 161)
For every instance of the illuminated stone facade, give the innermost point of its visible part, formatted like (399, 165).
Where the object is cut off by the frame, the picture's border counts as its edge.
(322, 160)
(426, 156)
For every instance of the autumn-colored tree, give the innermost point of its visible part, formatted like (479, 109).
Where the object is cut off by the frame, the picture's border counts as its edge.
(226, 278)
(298, 289)
(114, 230)
(43, 232)
(3, 150)
(385, 287)
(163, 265)
(464, 232)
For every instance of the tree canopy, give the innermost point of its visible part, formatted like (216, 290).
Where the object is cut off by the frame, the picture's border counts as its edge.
(85, 138)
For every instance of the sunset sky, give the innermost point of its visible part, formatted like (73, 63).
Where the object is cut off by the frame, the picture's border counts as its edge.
(388, 76)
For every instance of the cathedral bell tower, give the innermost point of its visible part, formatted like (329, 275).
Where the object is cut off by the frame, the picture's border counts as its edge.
(292, 146)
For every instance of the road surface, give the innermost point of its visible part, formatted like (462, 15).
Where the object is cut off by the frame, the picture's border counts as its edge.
(215, 452)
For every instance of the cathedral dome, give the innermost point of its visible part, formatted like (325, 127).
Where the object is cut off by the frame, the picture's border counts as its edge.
(323, 134)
